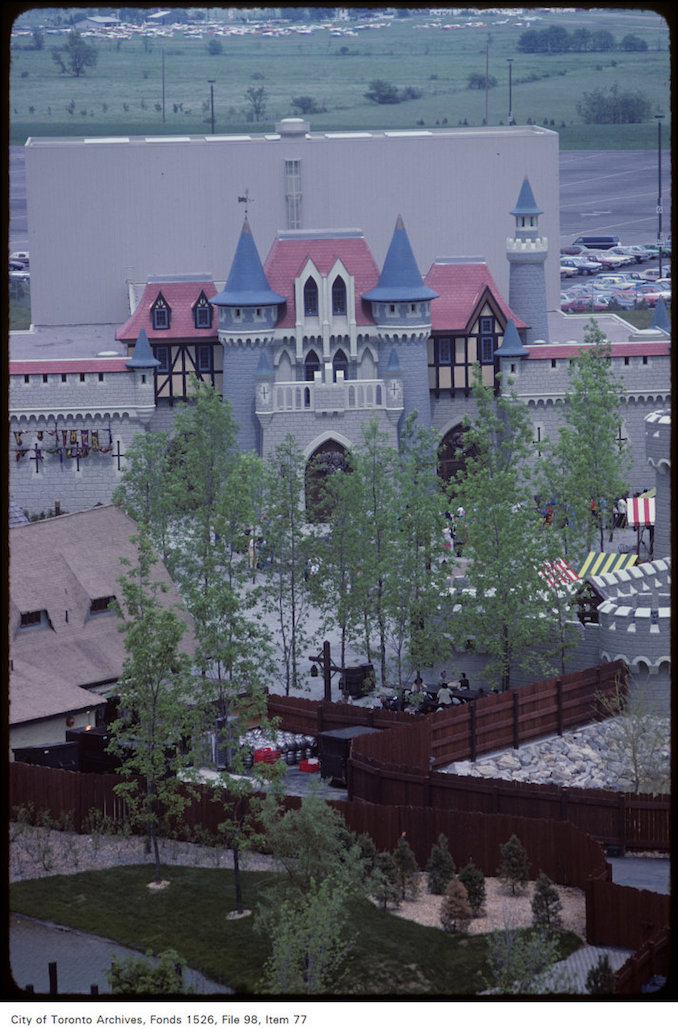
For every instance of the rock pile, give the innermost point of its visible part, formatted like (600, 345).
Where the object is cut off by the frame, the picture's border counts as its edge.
(586, 758)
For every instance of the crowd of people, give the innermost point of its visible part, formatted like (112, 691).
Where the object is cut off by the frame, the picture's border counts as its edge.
(423, 699)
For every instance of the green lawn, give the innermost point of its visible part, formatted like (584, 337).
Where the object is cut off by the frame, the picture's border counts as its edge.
(391, 955)
(123, 93)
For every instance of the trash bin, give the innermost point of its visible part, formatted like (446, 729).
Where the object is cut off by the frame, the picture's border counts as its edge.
(334, 748)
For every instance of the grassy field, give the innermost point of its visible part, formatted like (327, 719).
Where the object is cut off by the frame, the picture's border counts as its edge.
(123, 93)
(390, 956)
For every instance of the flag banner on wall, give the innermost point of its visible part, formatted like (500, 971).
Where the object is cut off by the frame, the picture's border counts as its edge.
(640, 510)
(599, 564)
(558, 573)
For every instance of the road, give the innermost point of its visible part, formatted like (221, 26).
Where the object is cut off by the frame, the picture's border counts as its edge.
(613, 192)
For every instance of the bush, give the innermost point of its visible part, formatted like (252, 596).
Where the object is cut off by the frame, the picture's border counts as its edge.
(440, 867)
(139, 976)
(474, 883)
(407, 867)
(600, 979)
(455, 910)
(514, 870)
(386, 886)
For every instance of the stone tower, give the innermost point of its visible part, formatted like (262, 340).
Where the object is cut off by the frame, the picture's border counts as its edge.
(248, 312)
(401, 308)
(527, 251)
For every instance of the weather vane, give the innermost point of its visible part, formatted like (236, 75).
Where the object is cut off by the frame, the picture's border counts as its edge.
(246, 199)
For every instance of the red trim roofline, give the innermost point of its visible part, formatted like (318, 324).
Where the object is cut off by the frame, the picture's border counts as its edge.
(654, 348)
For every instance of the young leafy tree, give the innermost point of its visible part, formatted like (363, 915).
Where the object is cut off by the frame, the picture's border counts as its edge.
(592, 462)
(637, 736)
(142, 491)
(474, 882)
(505, 545)
(514, 870)
(134, 976)
(546, 904)
(519, 961)
(155, 701)
(286, 549)
(75, 55)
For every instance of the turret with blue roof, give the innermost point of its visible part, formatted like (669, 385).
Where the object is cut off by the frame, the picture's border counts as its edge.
(527, 251)
(401, 308)
(511, 345)
(143, 354)
(247, 285)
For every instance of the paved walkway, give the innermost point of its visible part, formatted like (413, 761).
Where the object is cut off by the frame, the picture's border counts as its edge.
(570, 975)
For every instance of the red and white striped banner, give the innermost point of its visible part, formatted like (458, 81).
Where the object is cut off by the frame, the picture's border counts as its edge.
(640, 510)
(558, 573)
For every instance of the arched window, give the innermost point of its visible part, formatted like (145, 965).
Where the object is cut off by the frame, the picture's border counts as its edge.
(339, 364)
(311, 366)
(330, 457)
(311, 298)
(338, 296)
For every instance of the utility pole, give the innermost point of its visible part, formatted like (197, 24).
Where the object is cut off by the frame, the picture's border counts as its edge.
(211, 82)
(163, 85)
(511, 119)
(659, 189)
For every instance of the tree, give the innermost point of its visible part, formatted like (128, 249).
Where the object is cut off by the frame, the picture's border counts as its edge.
(382, 92)
(514, 870)
(600, 979)
(309, 941)
(440, 867)
(142, 491)
(76, 55)
(506, 545)
(474, 883)
(592, 463)
(633, 44)
(285, 551)
(215, 47)
(637, 737)
(407, 866)
(144, 977)
(614, 107)
(545, 903)
(306, 105)
(385, 883)
(519, 962)
(478, 80)
(257, 98)
(455, 910)
(154, 701)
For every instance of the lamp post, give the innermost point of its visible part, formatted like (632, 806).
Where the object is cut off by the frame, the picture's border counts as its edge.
(211, 82)
(325, 659)
(659, 189)
(511, 119)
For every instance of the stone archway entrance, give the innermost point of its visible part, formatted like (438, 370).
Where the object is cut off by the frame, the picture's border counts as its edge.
(329, 458)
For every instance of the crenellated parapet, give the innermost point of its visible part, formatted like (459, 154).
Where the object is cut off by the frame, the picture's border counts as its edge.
(524, 248)
(635, 617)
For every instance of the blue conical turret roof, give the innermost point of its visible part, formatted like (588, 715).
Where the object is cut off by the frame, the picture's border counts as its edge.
(660, 318)
(511, 345)
(526, 203)
(247, 285)
(143, 354)
(400, 278)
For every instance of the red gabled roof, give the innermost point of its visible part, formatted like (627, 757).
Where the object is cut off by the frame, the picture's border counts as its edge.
(287, 257)
(461, 286)
(180, 297)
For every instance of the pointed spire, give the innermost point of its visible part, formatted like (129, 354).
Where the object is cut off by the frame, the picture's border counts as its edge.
(247, 285)
(143, 354)
(660, 318)
(400, 278)
(511, 345)
(526, 203)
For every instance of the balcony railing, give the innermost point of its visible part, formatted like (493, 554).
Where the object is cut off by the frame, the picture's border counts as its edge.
(329, 397)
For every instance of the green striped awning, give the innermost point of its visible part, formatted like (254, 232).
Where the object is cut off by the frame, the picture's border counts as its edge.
(599, 564)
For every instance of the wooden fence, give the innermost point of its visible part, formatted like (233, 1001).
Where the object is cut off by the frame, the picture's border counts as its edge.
(653, 958)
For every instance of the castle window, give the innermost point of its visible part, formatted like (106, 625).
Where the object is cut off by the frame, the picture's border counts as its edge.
(486, 325)
(339, 364)
(293, 193)
(202, 313)
(27, 380)
(486, 349)
(338, 296)
(311, 298)
(64, 377)
(160, 313)
(444, 350)
(45, 378)
(311, 366)
(162, 354)
(82, 376)
(204, 359)
(101, 376)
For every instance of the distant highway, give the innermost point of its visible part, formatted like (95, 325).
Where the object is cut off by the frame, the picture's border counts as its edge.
(609, 192)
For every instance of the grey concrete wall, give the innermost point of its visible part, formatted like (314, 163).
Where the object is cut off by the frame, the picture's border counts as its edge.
(135, 208)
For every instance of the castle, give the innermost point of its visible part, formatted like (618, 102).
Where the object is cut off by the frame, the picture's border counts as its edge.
(319, 339)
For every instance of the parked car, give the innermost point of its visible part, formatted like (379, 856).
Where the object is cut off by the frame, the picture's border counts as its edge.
(587, 265)
(637, 252)
(568, 268)
(597, 242)
(610, 260)
(651, 294)
(22, 256)
(588, 302)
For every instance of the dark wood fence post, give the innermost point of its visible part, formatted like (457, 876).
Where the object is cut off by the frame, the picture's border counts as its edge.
(53, 982)
(621, 826)
(516, 727)
(473, 730)
(559, 704)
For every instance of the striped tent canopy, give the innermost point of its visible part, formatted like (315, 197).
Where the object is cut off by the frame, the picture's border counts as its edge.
(598, 564)
(558, 573)
(640, 510)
